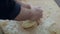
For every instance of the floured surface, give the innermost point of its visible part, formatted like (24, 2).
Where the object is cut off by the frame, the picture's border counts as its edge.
(51, 19)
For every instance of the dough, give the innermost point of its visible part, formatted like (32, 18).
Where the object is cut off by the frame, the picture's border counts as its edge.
(28, 24)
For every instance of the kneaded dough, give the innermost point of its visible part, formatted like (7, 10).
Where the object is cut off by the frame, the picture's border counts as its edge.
(28, 24)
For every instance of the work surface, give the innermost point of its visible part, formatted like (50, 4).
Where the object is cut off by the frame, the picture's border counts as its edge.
(51, 15)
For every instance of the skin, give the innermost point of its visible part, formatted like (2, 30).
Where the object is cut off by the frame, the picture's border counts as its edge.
(29, 13)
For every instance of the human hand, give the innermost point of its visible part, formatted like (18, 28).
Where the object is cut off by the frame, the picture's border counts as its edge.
(35, 13)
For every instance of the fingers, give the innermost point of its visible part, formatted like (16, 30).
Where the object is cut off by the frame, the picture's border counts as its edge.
(26, 6)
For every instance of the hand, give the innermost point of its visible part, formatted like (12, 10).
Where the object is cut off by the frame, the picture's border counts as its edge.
(30, 14)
